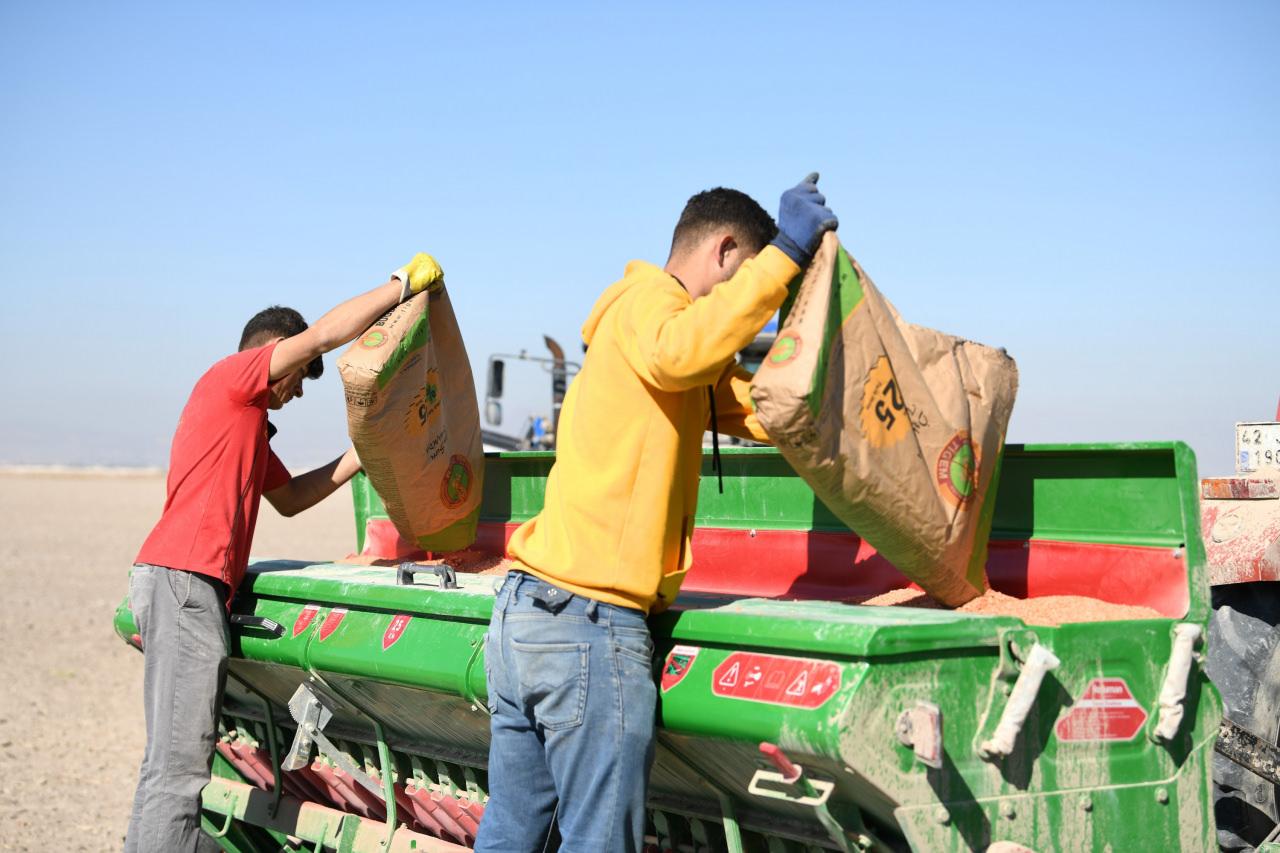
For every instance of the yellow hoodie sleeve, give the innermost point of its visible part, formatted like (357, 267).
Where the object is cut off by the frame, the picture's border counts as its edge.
(678, 344)
(734, 412)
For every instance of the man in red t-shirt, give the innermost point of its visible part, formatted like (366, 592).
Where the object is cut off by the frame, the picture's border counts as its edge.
(191, 565)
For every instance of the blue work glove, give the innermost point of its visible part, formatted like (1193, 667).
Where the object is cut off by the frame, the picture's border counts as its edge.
(803, 217)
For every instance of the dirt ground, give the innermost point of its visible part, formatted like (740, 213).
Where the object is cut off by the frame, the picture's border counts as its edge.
(71, 730)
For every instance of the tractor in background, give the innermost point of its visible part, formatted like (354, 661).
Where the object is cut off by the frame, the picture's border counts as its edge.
(1240, 523)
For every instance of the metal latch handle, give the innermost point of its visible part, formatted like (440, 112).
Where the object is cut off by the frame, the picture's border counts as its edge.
(1039, 662)
(448, 578)
(791, 772)
(1173, 692)
(807, 791)
(262, 623)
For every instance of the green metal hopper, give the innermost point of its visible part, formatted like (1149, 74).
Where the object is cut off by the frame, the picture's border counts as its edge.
(789, 719)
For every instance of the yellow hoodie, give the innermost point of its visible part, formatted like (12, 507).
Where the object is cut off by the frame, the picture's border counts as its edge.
(621, 497)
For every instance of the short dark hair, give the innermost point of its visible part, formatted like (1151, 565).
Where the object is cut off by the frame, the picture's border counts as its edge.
(277, 322)
(724, 208)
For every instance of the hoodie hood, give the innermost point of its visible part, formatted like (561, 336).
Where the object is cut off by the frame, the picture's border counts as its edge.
(637, 273)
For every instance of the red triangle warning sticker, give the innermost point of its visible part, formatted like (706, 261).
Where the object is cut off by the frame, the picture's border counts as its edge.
(801, 683)
(755, 677)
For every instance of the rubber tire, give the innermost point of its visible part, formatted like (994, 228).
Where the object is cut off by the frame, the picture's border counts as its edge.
(1244, 664)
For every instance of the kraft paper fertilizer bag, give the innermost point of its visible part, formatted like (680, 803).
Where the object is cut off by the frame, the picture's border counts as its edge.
(413, 418)
(897, 428)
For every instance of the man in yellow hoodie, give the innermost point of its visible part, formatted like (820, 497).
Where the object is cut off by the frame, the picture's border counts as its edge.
(569, 656)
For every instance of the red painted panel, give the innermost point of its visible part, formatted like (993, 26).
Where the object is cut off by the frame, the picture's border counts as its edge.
(832, 566)
(1121, 574)
(1240, 488)
(788, 563)
(829, 566)
(381, 539)
(1241, 540)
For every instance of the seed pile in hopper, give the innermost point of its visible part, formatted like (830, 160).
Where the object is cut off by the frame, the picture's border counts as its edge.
(1044, 610)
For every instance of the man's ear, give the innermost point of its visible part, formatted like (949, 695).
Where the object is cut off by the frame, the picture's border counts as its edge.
(724, 248)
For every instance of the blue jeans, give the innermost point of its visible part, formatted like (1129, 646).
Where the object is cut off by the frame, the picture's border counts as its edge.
(572, 693)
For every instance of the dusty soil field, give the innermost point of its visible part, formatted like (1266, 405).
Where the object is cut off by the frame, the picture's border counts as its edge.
(71, 730)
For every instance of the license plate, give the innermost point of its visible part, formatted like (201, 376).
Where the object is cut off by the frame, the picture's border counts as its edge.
(1257, 446)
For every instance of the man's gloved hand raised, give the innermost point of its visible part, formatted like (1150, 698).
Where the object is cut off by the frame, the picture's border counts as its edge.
(803, 217)
(421, 273)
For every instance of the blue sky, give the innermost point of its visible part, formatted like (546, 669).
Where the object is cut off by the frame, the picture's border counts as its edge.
(1094, 186)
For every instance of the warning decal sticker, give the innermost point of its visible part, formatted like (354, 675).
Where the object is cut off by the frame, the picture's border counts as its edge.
(1106, 711)
(395, 630)
(801, 682)
(304, 618)
(332, 621)
(679, 662)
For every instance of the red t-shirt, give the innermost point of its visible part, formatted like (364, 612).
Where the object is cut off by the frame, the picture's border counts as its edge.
(219, 466)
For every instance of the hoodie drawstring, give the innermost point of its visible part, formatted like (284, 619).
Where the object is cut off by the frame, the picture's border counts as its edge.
(715, 440)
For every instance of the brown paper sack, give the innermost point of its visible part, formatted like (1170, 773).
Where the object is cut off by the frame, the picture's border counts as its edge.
(413, 418)
(897, 428)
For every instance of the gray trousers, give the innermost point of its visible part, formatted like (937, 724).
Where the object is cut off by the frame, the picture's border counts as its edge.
(182, 619)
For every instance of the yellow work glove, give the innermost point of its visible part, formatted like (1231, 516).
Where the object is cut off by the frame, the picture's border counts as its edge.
(421, 273)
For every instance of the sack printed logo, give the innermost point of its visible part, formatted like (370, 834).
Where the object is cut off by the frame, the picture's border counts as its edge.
(359, 397)
(424, 408)
(957, 469)
(456, 485)
(374, 339)
(785, 348)
(885, 420)
(679, 662)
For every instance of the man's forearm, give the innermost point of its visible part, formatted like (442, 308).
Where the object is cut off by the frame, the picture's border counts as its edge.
(306, 490)
(343, 323)
(334, 329)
